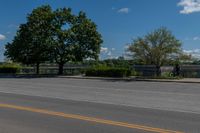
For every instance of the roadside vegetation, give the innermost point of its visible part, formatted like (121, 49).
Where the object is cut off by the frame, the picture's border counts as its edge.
(158, 48)
(73, 43)
(105, 71)
(55, 36)
(9, 68)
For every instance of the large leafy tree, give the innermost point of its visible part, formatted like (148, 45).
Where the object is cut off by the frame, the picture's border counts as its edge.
(58, 36)
(88, 39)
(19, 49)
(62, 36)
(156, 48)
(31, 45)
(76, 38)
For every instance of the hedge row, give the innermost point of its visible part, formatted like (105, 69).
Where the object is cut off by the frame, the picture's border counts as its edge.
(108, 72)
(9, 69)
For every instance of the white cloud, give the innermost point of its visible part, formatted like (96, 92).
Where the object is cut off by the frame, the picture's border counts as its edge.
(8, 32)
(189, 6)
(2, 37)
(109, 53)
(124, 10)
(113, 8)
(126, 47)
(194, 52)
(113, 49)
(196, 38)
(104, 50)
(13, 26)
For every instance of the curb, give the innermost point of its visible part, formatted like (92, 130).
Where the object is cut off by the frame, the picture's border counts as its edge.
(103, 78)
(172, 81)
(129, 79)
(97, 78)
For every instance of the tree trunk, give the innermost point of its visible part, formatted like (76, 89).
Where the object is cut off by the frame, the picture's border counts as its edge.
(37, 68)
(158, 70)
(61, 65)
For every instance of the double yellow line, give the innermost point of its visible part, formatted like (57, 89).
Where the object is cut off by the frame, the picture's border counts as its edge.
(89, 119)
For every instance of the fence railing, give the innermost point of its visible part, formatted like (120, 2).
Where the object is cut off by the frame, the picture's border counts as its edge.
(53, 69)
(190, 71)
(187, 71)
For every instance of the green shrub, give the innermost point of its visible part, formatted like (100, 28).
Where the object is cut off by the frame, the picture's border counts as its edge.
(9, 68)
(135, 73)
(167, 75)
(103, 71)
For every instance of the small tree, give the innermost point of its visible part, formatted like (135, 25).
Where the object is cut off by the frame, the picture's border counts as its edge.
(156, 48)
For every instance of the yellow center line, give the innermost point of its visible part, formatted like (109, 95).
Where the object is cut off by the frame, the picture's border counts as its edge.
(89, 119)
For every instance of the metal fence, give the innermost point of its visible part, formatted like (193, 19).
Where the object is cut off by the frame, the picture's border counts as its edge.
(187, 71)
(150, 70)
(69, 69)
(190, 71)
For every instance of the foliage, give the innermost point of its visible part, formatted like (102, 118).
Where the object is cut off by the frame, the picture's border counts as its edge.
(88, 39)
(167, 75)
(135, 73)
(31, 44)
(9, 68)
(196, 62)
(118, 63)
(58, 36)
(76, 42)
(103, 71)
(156, 48)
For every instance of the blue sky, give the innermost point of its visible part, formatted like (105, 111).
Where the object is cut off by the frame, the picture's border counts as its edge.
(119, 21)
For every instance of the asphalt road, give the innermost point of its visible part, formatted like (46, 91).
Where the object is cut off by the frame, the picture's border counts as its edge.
(88, 106)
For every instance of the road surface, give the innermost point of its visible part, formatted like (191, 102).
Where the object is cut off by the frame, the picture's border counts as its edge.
(60, 105)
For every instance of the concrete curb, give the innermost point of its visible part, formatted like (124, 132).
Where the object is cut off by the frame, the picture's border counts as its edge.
(96, 78)
(189, 80)
(175, 81)
(132, 79)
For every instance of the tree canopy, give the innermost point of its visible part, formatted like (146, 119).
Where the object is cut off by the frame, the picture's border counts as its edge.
(75, 37)
(59, 36)
(87, 37)
(156, 48)
(31, 44)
